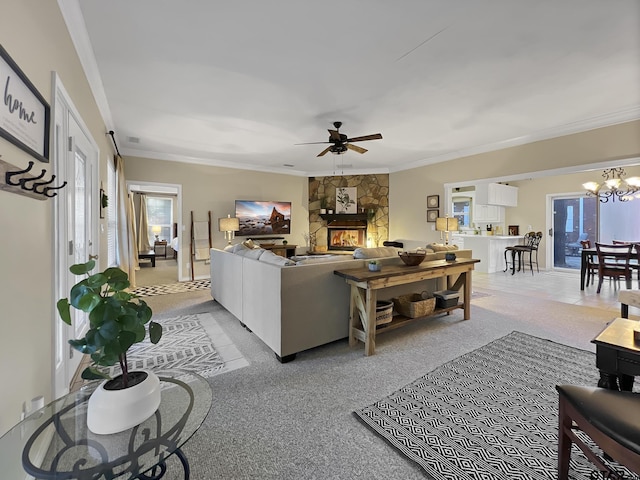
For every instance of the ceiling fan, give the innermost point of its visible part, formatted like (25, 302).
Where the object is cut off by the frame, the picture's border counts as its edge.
(340, 143)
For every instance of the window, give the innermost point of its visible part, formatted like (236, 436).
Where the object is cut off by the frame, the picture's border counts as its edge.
(112, 214)
(159, 218)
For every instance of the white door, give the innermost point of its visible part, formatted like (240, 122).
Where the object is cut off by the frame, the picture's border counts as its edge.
(76, 228)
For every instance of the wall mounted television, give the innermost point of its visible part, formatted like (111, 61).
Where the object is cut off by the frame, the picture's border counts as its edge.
(257, 217)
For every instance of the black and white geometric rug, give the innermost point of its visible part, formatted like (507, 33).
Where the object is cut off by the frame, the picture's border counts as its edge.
(189, 342)
(489, 414)
(180, 287)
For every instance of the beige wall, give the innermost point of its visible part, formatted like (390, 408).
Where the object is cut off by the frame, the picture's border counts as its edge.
(215, 189)
(409, 189)
(34, 34)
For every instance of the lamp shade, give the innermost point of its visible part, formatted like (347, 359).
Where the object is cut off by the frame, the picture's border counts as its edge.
(446, 224)
(229, 224)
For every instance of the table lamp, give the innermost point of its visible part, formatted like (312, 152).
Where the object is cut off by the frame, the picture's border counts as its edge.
(229, 226)
(156, 229)
(446, 224)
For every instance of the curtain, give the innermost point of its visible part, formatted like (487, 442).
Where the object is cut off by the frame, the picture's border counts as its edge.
(127, 252)
(143, 230)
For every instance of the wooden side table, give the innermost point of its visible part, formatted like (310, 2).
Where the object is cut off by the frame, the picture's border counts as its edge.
(160, 243)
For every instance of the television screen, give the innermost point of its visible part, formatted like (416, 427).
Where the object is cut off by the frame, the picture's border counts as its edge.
(263, 218)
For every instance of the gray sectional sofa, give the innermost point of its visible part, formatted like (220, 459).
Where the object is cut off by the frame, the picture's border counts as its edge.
(293, 305)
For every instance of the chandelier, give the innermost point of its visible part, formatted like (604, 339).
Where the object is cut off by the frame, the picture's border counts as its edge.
(614, 186)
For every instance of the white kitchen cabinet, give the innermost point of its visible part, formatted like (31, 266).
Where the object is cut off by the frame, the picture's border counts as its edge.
(497, 194)
(490, 251)
(488, 214)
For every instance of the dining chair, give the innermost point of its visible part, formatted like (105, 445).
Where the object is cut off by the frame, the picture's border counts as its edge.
(635, 256)
(608, 419)
(613, 262)
(592, 267)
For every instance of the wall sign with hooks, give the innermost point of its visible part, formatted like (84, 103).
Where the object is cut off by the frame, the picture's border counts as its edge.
(22, 182)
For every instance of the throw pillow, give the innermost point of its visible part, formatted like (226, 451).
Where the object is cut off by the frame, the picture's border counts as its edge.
(378, 252)
(437, 247)
(229, 248)
(249, 244)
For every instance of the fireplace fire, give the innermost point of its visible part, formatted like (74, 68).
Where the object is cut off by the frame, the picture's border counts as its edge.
(346, 235)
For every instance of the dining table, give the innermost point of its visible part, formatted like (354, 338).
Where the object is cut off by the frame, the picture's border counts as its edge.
(589, 253)
(586, 255)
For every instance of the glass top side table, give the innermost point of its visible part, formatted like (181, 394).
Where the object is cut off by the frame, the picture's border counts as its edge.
(54, 442)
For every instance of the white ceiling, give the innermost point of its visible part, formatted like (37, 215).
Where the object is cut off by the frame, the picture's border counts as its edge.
(239, 83)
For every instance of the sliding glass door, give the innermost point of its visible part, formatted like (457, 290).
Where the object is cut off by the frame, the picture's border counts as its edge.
(574, 218)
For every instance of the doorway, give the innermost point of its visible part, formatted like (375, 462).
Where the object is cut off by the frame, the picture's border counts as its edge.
(171, 234)
(574, 218)
(76, 158)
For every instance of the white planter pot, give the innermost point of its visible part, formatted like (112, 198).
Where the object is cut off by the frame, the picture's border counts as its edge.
(113, 411)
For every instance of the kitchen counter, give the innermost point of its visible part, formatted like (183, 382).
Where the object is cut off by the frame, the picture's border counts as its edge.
(488, 248)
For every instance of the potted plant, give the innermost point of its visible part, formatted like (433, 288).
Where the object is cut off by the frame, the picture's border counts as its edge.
(375, 265)
(323, 205)
(118, 319)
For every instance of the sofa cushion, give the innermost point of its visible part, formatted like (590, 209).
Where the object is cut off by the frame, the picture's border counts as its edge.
(313, 259)
(438, 247)
(254, 253)
(238, 247)
(377, 252)
(273, 259)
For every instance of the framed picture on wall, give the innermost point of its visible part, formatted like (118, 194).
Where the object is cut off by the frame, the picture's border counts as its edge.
(432, 215)
(433, 201)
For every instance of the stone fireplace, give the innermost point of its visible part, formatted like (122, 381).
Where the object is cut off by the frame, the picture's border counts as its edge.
(346, 233)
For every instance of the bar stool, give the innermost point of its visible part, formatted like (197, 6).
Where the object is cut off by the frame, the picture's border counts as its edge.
(532, 242)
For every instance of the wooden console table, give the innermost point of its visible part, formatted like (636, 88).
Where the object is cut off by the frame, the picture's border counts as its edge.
(365, 285)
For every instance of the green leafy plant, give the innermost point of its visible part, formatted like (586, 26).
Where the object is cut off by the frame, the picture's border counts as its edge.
(117, 319)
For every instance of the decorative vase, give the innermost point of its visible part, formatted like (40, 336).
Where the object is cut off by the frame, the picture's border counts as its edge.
(115, 410)
(375, 267)
(449, 257)
(323, 211)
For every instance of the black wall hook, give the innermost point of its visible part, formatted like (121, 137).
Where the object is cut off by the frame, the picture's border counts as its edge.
(40, 184)
(24, 180)
(9, 175)
(47, 189)
(24, 183)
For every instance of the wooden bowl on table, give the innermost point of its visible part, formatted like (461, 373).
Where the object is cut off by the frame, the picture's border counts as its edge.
(412, 259)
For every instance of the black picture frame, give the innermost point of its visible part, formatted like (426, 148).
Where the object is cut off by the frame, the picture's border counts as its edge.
(433, 201)
(24, 113)
(432, 215)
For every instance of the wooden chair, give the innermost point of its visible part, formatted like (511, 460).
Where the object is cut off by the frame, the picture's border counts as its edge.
(592, 267)
(613, 262)
(635, 259)
(609, 418)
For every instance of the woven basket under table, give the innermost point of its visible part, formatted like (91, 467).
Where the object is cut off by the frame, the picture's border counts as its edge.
(413, 305)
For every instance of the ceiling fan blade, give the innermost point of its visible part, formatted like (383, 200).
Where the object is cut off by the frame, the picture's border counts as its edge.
(334, 135)
(326, 150)
(356, 148)
(311, 143)
(375, 136)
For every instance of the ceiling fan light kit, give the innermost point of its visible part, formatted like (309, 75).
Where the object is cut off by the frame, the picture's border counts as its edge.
(340, 143)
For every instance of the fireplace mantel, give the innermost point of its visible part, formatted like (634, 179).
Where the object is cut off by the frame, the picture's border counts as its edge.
(344, 216)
